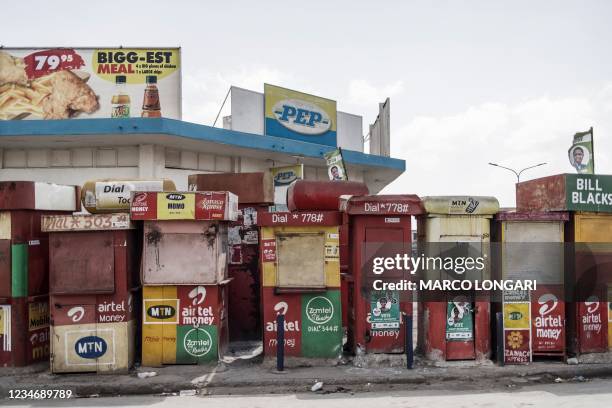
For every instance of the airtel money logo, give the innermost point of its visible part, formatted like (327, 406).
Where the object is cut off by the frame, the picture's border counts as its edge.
(592, 304)
(140, 199)
(548, 302)
(197, 295)
(76, 313)
(281, 308)
(302, 117)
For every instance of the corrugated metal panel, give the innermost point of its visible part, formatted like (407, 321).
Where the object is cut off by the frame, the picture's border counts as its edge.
(545, 263)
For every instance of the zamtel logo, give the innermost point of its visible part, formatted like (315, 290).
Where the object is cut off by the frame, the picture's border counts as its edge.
(302, 117)
(319, 310)
(548, 303)
(161, 312)
(90, 347)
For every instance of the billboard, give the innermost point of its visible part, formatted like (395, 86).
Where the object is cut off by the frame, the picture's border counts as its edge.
(296, 115)
(84, 83)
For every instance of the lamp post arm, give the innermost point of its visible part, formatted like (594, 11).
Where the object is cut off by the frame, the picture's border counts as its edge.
(512, 170)
(527, 168)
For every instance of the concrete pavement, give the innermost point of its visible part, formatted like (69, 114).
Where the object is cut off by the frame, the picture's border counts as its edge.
(251, 378)
(593, 393)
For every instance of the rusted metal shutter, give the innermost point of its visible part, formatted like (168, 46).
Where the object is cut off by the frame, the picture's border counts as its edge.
(82, 263)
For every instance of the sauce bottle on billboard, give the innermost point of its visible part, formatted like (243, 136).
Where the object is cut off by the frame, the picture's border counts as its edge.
(150, 102)
(120, 104)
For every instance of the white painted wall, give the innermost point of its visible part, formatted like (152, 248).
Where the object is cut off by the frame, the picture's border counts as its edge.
(350, 131)
(77, 165)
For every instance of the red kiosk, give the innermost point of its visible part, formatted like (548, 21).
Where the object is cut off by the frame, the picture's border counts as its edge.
(378, 225)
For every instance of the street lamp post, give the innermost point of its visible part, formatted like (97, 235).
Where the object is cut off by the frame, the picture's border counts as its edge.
(518, 174)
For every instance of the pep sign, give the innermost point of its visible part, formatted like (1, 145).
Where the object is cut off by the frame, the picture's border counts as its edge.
(296, 115)
(302, 117)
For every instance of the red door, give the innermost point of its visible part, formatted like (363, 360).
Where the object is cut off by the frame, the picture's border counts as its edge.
(384, 331)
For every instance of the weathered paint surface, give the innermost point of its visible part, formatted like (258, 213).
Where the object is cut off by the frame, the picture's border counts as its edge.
(331, 265)
(30, 195)
(456, 219)
(406, 204)
(546, 264)
(92, 347)
(23, 254)
(94, 302)
(321, 195)
(592, 233)
(244, 289)
(83, 262)
(177, 205)
(548, 320)
(313, 323)
(24, 331)
(251, 188)
(609, 318)
(375, 322)
(460, 205)
(566, 192)
(86, 222)
(298, 218)
(313, 320)
(543, 194)
(517, 332)
(184, 252)
(183, 324)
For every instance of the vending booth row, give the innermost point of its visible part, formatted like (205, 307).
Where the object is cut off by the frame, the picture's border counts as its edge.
(175, 277)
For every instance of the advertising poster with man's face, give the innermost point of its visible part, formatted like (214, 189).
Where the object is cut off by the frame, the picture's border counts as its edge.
(335, 165)
(580, 155)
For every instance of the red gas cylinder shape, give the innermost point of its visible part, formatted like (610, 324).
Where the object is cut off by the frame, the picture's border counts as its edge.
(321, 195)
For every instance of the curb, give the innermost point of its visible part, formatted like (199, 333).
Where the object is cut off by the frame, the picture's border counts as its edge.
(285, 384)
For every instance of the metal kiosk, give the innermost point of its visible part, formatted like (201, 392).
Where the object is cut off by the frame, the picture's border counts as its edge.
(24, 267)
(301, 281)
(457, 327)
(378, 223)
(93, 281)
(184, 275)
(588, 283)
(531, 248)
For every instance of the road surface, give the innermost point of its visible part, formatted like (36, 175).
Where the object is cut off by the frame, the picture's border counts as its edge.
(596, 393)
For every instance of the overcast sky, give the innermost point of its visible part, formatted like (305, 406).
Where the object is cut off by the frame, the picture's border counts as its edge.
(470, 81)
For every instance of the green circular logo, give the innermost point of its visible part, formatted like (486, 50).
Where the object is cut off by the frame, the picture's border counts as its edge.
(197, 342)
(319, 310)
